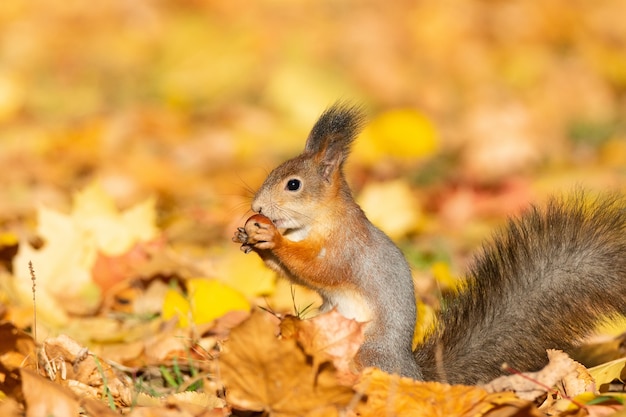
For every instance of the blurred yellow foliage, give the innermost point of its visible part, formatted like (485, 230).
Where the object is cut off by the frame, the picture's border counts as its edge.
(424, 323)
(247, 274)
(11, 96)
(401, 134)
(63, 266)
(392, 207)
(443, 275)
(613, 152)
(208, 299)
(8, 239)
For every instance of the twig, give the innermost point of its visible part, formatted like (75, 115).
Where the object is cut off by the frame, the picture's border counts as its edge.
(34, 279)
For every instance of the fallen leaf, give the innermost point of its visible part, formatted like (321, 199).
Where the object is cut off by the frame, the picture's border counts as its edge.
(398, 396)
(246, 274)
(176, 305)
(329, 337)
(208, 300)
(263, 373)
(211, 299)
(608, 372)
(201, 399)
(17, 351)
(110, 270)
(63, 267)
(69, 363)
(531, 385)
(45, 398)
(114, 232)
(96, 408)
(10, 408)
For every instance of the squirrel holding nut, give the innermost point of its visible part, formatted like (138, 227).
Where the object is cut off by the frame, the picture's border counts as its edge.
(542, 283)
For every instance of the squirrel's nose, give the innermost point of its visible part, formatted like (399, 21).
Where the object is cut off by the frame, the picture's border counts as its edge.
(256, 207)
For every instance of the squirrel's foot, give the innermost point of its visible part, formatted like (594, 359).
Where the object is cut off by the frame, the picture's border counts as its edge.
(241, 236)
(258, 233)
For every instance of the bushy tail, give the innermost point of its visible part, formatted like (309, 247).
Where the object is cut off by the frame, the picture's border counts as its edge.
(542, 283)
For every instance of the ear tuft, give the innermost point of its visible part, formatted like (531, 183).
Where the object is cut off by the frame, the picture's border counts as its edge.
(333, 133)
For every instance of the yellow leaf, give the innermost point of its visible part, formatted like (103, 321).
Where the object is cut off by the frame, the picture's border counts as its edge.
(393, 395)
(211, 299)
(8, 239)
(63, 266)
(175, 305)
(378, 200)
(114, 233)
(246, 273)
(607, 372)
(401, 134)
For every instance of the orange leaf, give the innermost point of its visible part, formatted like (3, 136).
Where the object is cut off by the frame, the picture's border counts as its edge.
(45, 398)
(263, 373)
(393, 395)
(329, 337)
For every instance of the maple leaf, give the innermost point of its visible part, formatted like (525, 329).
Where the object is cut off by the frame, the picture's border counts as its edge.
(328, 337)
(45, 398)
(63, 266)
(399, 396)
(263, 373)
(208, 300)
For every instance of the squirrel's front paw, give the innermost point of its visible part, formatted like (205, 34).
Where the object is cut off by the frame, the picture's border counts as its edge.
(242, 237)
(258, 233)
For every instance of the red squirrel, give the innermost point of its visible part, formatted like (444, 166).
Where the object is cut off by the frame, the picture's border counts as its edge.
(541, 283)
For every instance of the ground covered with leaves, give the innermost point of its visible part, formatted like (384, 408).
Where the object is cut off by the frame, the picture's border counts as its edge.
(133, 136)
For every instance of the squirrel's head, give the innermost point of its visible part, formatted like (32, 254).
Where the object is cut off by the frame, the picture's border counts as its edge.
(301, 189)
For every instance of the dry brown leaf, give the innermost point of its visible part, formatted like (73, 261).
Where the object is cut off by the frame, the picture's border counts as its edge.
(263, 373)
(504, 404)
(201, 399)
(69, 363)
(96, 408)
(576, 382)
(192, 404)
(394, 395)
(167, 344)
(329, 337)
(45, 398)
(532, 385)
(10, 408)
(17, 350)
(177, 412)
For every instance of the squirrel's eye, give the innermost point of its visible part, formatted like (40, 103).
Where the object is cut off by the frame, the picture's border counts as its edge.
(293, 184)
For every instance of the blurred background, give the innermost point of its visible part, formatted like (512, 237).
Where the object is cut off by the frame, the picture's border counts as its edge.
(478, 107)
(134, 133)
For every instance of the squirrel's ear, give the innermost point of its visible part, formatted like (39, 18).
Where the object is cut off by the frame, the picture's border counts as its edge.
(333, 133)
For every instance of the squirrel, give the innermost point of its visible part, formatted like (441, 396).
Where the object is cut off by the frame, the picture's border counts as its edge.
(541, 283)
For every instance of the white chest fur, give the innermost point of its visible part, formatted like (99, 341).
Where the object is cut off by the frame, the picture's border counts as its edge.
(297, 235)
(348, 304)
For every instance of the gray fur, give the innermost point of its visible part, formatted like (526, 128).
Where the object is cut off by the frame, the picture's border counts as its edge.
(540, 284)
